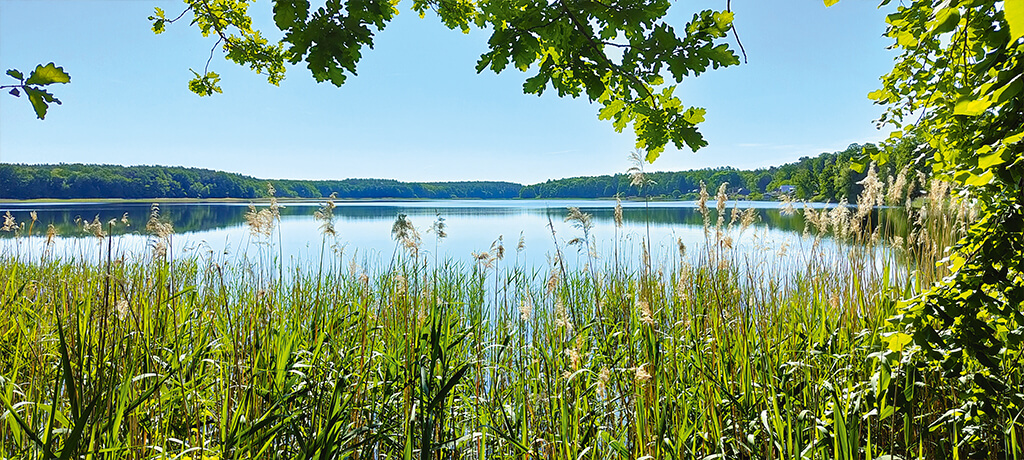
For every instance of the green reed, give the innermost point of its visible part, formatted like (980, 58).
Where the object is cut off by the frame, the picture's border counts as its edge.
(718, 353)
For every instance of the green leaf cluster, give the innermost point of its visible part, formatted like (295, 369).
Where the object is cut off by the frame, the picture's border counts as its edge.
(571, 43)
(33, 86)
(619, 53)
(958, 87)
(230, 22)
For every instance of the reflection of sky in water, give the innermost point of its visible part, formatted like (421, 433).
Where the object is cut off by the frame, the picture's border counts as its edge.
(364, 229)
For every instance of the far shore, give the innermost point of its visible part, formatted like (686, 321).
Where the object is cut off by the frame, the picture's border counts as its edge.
(306, 200)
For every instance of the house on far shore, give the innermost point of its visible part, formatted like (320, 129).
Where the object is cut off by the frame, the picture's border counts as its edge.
(787, 189)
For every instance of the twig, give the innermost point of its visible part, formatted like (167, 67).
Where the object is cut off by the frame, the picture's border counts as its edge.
(728, 7)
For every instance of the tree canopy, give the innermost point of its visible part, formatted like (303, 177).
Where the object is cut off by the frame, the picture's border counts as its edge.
(619, 53)
(826, 177)
(957, 86)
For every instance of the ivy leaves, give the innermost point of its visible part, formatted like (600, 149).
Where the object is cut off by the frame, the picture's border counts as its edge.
(618, 53)
(34, 86)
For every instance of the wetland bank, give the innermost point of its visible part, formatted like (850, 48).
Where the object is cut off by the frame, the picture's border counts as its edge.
(602, 349)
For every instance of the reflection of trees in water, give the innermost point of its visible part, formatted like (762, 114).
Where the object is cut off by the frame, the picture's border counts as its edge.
(199, 217)
(68, 220)
(894, 220)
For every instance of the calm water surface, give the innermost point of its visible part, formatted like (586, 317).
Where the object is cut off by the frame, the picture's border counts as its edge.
(364, 229)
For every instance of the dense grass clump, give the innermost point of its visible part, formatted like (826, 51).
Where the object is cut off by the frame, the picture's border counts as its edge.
(716, 354)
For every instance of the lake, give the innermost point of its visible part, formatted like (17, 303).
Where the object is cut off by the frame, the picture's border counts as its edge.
(363, 229)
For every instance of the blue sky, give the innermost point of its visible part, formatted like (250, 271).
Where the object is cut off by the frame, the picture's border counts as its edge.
(418, 111)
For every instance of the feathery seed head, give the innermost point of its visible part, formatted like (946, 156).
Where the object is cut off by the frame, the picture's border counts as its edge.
(401, 285)
(702, 203)
(51, 233)
(603, 376)
(325, 214)
(439, 227)
(122, 309)
(404, 232)
(261, 223)
(748, 219)
(722, 198)
(618, 212)
(641, 376)
(10, 224)
(646, 315)
(787, 206)
(839, 218)
(526, 307)
(498, 248)
(896, 189)
(95, 227)
(574, 358)
(637, 177)
(561, 315)
(872, 193)
(553, 276)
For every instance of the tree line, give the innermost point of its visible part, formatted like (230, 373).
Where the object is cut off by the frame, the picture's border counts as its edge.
(826, 177)
(75, 181)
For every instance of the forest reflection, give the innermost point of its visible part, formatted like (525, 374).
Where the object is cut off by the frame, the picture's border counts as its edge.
(69, 219)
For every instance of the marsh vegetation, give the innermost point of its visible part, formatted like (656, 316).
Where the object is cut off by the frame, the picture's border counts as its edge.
(716, 354)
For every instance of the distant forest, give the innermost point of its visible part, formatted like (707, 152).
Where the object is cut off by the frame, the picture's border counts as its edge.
(827, 177)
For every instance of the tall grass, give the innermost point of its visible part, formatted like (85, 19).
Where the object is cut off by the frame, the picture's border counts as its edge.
(721, 353)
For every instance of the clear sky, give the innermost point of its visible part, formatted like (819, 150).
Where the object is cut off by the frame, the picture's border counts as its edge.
(418, 111)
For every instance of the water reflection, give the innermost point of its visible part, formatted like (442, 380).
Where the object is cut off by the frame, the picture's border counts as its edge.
(365, 225)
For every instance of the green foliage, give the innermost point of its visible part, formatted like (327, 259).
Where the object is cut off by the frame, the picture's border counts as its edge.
(72, 181)
(957, 86)
(714, 355)
(618, 53)
(230, 22)
(33, 86)
(826, 177)
(204, 85)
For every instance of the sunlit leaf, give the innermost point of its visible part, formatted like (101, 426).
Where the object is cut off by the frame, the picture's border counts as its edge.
(653, 154)
(695, 115)
(972, 107)
(611, 109)
(906, 39)
(1014, 14)
(39, 99)
(45, 75)
(978, 180)
(897, 341)
(993, 159)
(946, 20)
